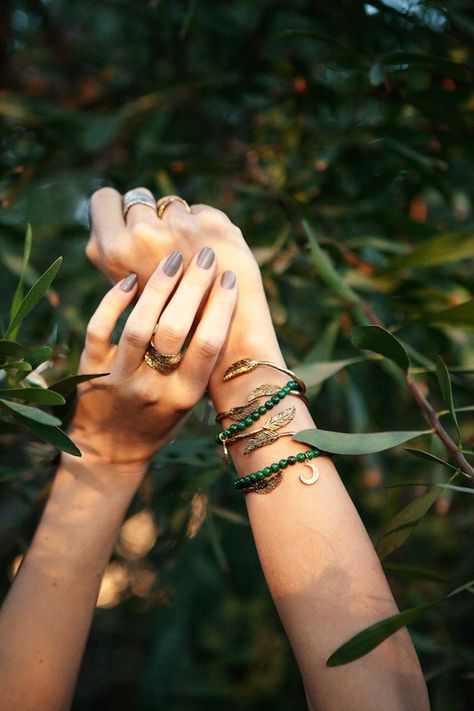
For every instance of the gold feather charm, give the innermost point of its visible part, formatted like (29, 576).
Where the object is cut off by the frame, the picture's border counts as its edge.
(263, 390)
(266, 485)
(239, 368)
(275, 422)
(264, 438)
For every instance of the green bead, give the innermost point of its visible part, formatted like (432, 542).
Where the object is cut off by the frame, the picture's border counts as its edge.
(287, 390)
(274, 467)
(301, 457)
(291, 384)
(310, 454)
(282, 464)
(234, 428)
(248, 421)
(241, 425)
(268, 405)
(253, 477)
(218, 439)
(282, 393)
(255, 415)
(262, 410)
(291, 460)
(267, 471)
(276, 399)
(260, 474)
(226, 433)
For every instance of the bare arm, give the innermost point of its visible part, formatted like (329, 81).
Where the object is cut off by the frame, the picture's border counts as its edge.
(319, 563)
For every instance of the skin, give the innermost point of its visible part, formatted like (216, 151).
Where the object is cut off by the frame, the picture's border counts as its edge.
(319, 563)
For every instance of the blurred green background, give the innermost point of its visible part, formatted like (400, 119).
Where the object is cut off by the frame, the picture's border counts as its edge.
(354, 116)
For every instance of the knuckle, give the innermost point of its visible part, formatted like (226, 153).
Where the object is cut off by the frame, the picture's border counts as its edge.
(213, 218)
(169, 332)
(103, 193)
(94, 334)
(208, 347)
(135, 335)
(92, 253)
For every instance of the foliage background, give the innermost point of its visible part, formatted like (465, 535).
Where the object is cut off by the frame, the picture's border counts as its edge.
(353, 115)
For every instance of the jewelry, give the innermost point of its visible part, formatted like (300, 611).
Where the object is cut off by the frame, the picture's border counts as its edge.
(267, 479)
(240, 412)
(247, 364)
(267, 433)
(135, 197)
(163, 203)
(166, 364)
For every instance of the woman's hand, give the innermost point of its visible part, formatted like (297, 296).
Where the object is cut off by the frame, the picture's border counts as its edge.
(123, 418)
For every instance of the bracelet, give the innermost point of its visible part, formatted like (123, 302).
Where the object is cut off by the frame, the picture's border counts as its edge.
(247, 364)
(240, 412)
(267, 479)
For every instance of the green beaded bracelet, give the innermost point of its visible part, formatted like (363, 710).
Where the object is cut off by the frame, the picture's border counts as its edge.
(250, 479)
(262, 410)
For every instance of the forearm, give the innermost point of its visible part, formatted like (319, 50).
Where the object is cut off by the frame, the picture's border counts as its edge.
(320, 565)
(46, 617)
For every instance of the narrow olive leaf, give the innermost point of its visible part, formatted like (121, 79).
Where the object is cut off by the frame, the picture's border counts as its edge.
(452, 487)
(414, 572)
(40, 395)
(17, 365)
(421, 454)
(11, 348)
(440, 250)
(30, 413)
(462, 315)
(51, 435)
(326, 269)
(376, 338)
(66, 386)
(18, 296)
(444, 382)
(38, 356)
(315, 373)
(402, 525)
(37, 291)
(347, 443)
(372, 636)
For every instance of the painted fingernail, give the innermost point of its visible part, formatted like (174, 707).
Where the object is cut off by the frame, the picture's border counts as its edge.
(205, 257)
(129, 282)
(228, 280)
(173, 263)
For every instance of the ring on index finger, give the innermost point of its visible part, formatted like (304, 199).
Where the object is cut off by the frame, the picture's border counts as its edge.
(135, 197)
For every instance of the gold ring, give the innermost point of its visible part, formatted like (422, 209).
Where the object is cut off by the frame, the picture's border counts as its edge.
(159, 361)
(136, 197)
(163, 203)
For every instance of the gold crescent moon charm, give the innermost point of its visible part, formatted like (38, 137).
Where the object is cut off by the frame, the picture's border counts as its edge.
(315, 476)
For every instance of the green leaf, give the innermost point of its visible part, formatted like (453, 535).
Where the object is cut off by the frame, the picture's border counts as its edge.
(440, 250)
(413, 572)
(66, 386)
(401, 526)
(444, 382)
(30, 413)
(37, 291)
(326, 269)
(372, 636)
(376, 338)
(347, 443)
(18, 296)
(52, 435)
(462, 489)
(422, 454)
(11, 348)
(40, 395)
(315, 373)
(462, 315)
(17, 365)
(39, 355)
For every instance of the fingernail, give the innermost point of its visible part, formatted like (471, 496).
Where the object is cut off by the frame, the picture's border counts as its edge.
(173, 263)
(228, 280)
(205, 257)
(129, 282)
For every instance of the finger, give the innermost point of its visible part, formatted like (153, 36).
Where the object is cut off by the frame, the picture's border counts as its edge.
(141, 323)
(102, 323)
(177, 318)
(105, 210)
(211, 217)
(211, 332)
(140, 214)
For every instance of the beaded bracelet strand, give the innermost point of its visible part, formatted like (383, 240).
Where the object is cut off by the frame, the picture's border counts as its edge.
(265, 480)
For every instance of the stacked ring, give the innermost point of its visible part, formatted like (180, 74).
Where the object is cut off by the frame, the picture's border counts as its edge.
(165, 364)
(135, 197)
(165, 201)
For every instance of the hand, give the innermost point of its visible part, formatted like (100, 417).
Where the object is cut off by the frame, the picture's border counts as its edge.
(124, 417)
(117, 247)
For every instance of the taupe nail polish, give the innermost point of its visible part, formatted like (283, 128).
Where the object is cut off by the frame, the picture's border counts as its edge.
(205, 257)
(129, 282)
(173, 263)
(228, 280)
